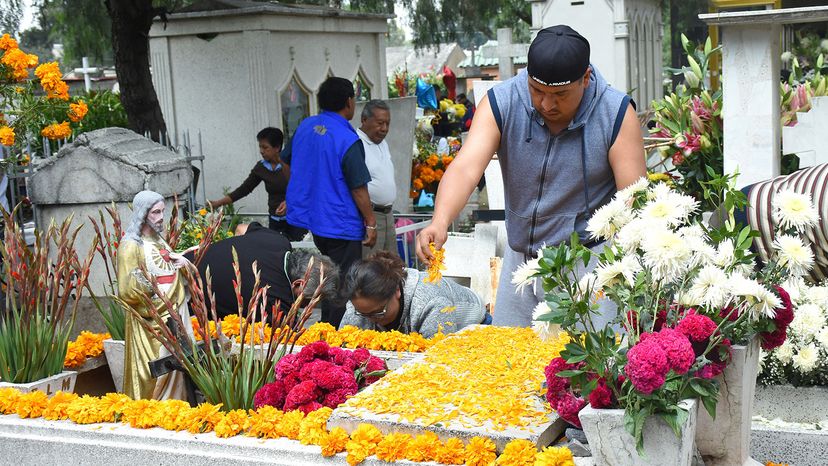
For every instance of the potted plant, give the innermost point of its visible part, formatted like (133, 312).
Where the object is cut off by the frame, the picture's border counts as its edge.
(683, 294)
(40, 283)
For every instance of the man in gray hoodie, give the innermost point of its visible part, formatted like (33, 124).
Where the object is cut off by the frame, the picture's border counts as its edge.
(565, 140)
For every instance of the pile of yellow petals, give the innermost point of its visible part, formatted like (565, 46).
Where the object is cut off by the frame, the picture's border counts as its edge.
(436, 265)
(269, 423)
(346, 337)
(88, 345)
(489, 377)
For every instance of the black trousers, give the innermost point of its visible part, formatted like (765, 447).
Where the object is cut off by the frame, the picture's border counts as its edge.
(343, 253)
(289, 231)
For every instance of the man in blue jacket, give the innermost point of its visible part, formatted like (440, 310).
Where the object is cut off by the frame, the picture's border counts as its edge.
(328, 189)
(565, 141)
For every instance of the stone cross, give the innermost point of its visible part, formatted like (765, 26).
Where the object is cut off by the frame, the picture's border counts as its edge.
(807, 138)
(506, 52)
(86, 70)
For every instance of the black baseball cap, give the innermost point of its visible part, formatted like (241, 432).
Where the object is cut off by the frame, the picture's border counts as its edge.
(558, 56)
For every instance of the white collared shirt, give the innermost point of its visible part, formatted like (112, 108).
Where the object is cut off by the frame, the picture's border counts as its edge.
(382, 189)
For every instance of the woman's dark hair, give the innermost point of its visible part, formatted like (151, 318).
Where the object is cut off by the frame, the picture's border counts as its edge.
(273, 136)
(334, 94)
(376, 277)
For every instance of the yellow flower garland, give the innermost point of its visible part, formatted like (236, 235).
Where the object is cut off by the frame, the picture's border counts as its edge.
(269, 422)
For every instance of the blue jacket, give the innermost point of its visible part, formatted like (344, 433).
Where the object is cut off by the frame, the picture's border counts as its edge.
(318, 197)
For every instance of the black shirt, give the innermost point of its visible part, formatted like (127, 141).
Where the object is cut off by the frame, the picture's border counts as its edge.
(275, 184)
(260, 244)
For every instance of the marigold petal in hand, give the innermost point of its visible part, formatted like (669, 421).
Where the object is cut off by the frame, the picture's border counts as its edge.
(437, 265)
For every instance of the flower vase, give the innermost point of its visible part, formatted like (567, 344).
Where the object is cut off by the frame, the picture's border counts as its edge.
(612, 445)
(726, 439)
(114, 350)
(63, 382)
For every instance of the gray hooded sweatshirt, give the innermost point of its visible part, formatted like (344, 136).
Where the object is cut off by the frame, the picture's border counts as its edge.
(553, 183)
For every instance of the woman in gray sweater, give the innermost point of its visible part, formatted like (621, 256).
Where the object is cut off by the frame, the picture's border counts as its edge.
(385, 295)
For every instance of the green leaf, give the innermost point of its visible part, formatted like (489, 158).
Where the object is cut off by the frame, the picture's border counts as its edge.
(699, 388)
(672, 420)
(574, 359)
(709, 403)
(569, 373)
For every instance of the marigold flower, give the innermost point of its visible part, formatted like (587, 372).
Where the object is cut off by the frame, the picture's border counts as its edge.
(418, 184)
(363, 443)
(232, 423)
(451, 452)
(432, 160)
(52, 81)
(86, 410)
(87, 345)
(423, 447)
(8, 400)
(7, 42)
(6, 136)
(436, 265)
(334, 442)
(200, 419)
(57, 131)
(290, 423)
(518, 452)
(264, 422)
(554, 456)
(31, 405)
(19, 62)
(313, 428)
(480, 451)
(393, 447)
(77, 111)
(144, 414)
(57, 407)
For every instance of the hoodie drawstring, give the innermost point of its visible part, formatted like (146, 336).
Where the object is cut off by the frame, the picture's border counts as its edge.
(531, 121)
(584, 171)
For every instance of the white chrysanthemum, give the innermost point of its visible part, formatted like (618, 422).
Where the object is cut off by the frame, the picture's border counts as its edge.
(806, 359)
(612, 273)
(667, 254)
(794, 210)
(687, 298)
(784, 353)
(724, 254)
(793, 254)
(636, 232)
(818, 295)
(543, 329)
(668, 206)
(795, 286)
(756, 299)
(822, 337)
(588, 284)
(697, 241)
(607, 220)
(710, 287)
(808, 320)
(627, 193)
(523, 275)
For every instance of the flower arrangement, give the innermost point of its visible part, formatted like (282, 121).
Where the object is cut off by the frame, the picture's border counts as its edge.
(688, 125)
(484, 376)
(268, 422)
(194, 229)
(40, 282)
(802, 360)
(454, 112)
(319, 376)
(53, 116)
(87, 345)
(797, 92)
(430, 165)
(684, 295)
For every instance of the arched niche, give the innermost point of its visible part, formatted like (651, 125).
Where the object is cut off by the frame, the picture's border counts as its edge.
(294, 100)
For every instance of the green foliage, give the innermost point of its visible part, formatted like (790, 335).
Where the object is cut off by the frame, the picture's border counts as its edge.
(40, 281)
(105, 111)
(107, 248)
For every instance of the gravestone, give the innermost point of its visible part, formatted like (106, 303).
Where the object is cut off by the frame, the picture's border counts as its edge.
(101, 167)
(505, 53)
(807, 139)
(400, 140)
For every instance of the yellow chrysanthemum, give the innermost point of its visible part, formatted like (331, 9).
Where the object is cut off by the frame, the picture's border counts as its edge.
(31, 404)
(57, 406)
(363, 443)
(554, 456)
(232, 423)
(451, 452)
(437, 265)
(518, 452)
(313, 428)
(77, 111)
(393, 447)
(480, 451)
(113, 404)
(334, 442)
(423, 447)
(6, 136)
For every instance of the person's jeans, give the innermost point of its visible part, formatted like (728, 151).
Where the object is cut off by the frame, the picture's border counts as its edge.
(343, 253)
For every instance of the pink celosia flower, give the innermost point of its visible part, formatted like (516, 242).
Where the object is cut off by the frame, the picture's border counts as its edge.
(677, 347)
(646, 366)
(601, 397)
(568, 408)
(696, 327)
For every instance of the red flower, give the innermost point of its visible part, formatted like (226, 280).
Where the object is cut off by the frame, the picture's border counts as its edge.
(601, 397)
(337, 397)
(729, 313)
(302, 393)
(696, 326)
(719, 358)
(316, 350)
(678, 158)
(647, 366)
(310, 406)
(287, 366)
(677, 348)
(771, 340)
(271, 394)
(568, 408)
(556, 387)
(784, 316)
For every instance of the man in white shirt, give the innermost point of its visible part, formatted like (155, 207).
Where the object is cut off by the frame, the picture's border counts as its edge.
(376, 118)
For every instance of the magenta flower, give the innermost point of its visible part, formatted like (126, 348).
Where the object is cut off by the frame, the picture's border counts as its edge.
(647, 366)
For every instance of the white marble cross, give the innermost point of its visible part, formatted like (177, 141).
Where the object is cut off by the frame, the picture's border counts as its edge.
(86, 70)
(807, 138)
(506, 52)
